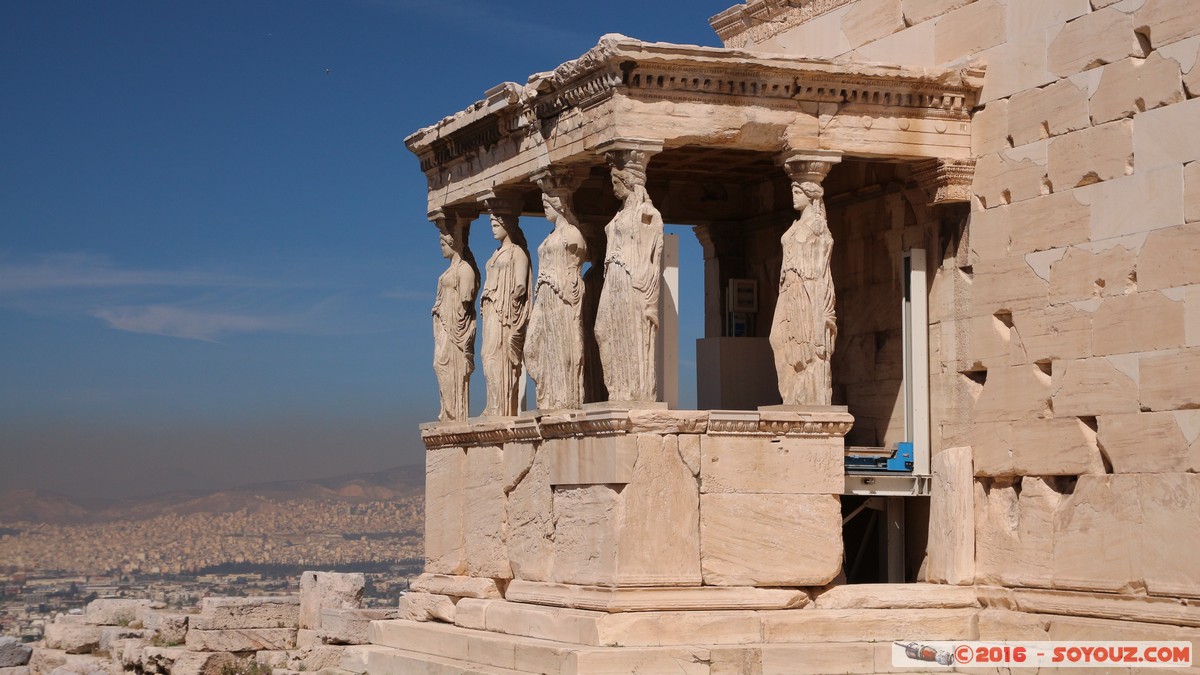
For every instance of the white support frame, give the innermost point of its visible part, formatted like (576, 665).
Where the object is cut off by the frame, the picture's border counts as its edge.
(916, 359)
(668, 327)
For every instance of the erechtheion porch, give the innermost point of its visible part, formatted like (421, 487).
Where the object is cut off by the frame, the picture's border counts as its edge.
(718, 138)
(601, 499)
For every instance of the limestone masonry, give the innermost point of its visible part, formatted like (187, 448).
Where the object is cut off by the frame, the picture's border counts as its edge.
(961, 230)
(950, 375)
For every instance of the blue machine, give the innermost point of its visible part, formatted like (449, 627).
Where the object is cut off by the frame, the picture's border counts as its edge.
(900, 461)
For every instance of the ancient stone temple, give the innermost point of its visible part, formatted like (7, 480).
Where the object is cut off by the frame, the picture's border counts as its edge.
(949, 376)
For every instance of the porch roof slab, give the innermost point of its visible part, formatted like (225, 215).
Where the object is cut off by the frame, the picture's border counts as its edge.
(666, 96)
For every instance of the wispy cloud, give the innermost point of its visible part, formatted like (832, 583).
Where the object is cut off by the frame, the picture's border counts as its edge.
(83, 270)
(185, 323)
(195, 303)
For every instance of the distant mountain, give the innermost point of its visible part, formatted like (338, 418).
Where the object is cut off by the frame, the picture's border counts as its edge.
(39, 506)
(46, 507)
(378, 485)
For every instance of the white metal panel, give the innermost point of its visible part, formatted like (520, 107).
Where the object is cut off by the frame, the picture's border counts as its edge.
(916, 361)
(668, 327)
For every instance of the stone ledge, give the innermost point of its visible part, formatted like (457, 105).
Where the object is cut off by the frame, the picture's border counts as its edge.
(478, 431)
(729, 639)
(1107, 606)
(587, 628)
(859, 625)
(616, 600)
(505, 655)
(600, 422)
(896, 596)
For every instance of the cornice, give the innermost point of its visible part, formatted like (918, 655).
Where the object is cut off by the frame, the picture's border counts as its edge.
(485, 431)
(662, 71)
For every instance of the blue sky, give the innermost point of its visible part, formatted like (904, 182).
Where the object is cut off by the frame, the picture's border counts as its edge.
(215, 266)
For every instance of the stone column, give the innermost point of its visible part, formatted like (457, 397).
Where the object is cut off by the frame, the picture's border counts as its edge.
(945, 181)
(454, 314)
(593, 284)
(627, 319)
(714, 314)
(804, 328)
(504, 305)
(554, 350)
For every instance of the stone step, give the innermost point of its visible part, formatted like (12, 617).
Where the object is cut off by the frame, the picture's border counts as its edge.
(443, 649)
(480, 651)
(864, 625)
(896, 596)
(401, 662)
(731, 627)
(463, 645)
(667, 598)
(816, 658)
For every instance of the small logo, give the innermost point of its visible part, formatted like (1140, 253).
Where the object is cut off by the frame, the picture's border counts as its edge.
(920, 652)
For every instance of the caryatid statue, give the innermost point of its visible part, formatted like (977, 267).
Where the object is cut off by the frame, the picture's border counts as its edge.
(454, 317)
(554, 349)
(627, 316)
(504, 307)
(804, 328)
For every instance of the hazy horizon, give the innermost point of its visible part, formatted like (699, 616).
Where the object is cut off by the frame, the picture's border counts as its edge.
(216, 267)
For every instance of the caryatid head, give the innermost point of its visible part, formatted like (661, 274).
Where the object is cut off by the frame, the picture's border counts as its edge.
(558, 184)
(805, 193)
(452, 228)
(628, 170)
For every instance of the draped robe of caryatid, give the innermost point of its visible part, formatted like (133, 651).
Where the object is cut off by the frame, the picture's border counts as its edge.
(454, 335)
(627, 318)
(504, 311)
(804, 328)
(554, 346)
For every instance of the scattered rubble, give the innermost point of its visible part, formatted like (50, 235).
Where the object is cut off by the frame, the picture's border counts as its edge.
(228, 636)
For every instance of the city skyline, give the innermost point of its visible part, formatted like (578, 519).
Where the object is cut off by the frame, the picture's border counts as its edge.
(215, 267)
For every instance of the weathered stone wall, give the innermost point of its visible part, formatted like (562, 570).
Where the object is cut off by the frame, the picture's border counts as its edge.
(1067, 325)
(627, 499)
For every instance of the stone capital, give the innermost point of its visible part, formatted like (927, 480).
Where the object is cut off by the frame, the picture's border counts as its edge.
(504, 202)
(945, 181)
(454, 221)
(704, 235)
(630, 154)
(810, 166)
(558, 180)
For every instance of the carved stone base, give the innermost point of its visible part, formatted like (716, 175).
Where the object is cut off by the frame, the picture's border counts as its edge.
(639, 498)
